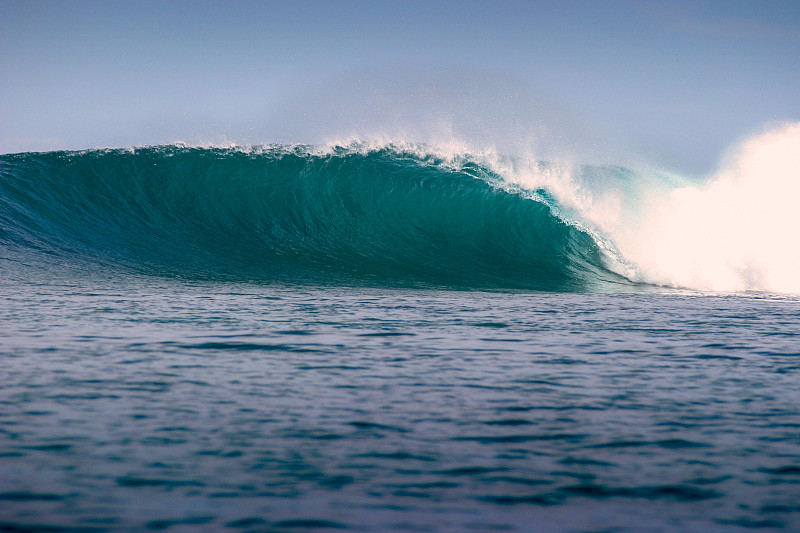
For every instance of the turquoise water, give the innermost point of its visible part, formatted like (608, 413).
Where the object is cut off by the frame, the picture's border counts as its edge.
(294, 213)
(286, 339)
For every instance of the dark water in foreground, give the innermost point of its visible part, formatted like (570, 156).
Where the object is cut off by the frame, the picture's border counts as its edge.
(134, 403)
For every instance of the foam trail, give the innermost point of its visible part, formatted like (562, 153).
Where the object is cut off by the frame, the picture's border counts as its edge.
(737, 232)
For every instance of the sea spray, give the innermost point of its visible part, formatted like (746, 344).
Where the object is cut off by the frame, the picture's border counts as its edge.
(738, 231)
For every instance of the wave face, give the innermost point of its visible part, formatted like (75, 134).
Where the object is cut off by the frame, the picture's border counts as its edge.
(383, 215)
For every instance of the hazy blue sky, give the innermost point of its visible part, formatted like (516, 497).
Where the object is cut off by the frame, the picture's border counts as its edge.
(674, 81)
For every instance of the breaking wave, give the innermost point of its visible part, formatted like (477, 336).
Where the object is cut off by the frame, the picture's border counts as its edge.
(400, 214)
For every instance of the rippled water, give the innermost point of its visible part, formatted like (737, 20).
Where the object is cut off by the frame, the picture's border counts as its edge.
(152, 404)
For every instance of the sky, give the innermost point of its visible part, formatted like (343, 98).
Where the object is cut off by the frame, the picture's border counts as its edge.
(671, 83)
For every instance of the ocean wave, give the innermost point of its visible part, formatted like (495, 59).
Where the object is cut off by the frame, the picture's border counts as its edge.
(352, 213)
(393, 212)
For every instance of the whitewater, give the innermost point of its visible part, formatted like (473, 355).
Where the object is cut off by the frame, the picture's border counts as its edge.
(398, 336)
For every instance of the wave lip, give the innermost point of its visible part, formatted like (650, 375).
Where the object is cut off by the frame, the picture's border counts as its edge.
(355, 214)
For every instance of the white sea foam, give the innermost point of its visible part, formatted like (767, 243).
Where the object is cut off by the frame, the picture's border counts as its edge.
(739, 231)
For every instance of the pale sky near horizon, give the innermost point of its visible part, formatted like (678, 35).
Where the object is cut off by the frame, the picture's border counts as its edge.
(675, 82)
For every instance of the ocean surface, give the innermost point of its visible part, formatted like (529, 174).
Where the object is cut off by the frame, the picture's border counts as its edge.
(390, 337)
